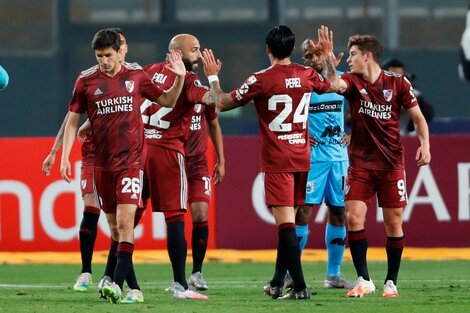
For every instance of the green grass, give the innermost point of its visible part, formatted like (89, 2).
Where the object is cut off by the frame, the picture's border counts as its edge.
(431, 286)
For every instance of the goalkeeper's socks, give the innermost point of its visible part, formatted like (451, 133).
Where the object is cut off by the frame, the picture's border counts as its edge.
(301, 231)
(358, 248)
(87, 235)
(335, 244)
(394, 249)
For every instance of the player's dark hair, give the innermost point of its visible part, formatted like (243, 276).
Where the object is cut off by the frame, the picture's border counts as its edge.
(106, 38)
(392, 62)
(280, 41)
(367, 43)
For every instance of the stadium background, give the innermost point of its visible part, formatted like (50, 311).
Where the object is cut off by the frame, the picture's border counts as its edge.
(45, 43)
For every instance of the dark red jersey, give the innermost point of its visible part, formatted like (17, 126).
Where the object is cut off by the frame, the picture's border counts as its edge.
(168, 127)
(375, 111)
(281, 94)
(112, 105)
(197, 139)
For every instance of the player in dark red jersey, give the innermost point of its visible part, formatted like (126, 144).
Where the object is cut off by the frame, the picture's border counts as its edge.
(110, 94)
(166, 130)
(281, 95)
(377, 167)
(199, 182)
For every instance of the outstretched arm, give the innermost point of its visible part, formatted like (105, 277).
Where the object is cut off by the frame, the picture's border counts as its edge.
(324, 47)
(50, 159)
(223, 101)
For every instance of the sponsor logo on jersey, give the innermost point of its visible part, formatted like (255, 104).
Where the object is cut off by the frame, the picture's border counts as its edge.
(251, 80)
(388, 93)
(346, 189)
(113, 105)
(98, 92)
(363, 91)
(152, 133)
(292, 139)
(129, 85)
(378, 111)
(83, 183)
(333, 106)
(243, 89)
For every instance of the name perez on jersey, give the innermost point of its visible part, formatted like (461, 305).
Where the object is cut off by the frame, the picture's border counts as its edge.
(380, 111)
(113, 105)
(292, 139)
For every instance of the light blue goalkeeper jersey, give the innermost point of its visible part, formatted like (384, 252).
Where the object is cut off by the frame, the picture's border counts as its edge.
(326, 124)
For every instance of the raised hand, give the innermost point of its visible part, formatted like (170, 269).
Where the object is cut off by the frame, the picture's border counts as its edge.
(176, 63)
(211, 66)
(324, 45)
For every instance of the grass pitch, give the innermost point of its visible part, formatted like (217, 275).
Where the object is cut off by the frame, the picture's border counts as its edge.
(424, 286)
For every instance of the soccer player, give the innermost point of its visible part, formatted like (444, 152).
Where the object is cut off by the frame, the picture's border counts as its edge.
(281, 94)
(199, 182)
(110, 94)
(328, 170)
(166, 130)
(4, 78)
(376, 98)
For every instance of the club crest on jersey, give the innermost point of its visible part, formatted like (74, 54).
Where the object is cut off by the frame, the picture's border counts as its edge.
(83, 182)
(310, 187)
(129, 85)
(197, 108)
(388, 93)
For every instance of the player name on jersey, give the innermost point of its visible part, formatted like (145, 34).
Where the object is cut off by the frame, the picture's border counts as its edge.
(380, 111)
(113, 105)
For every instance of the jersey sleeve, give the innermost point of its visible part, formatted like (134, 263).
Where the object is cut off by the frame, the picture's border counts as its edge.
(320, 83)
(78, 104)
(250, 88)
(150, 90)
(195, 89)
(408, 97)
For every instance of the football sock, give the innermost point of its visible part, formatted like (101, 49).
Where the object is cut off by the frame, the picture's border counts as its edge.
(301, 231)
(199, 239)
(177, 249)
(112, 258)
(335, 244)
(124, 262)
(358, 248)
(394, 249)
(290, 251)
(131, 279)
(87, 235)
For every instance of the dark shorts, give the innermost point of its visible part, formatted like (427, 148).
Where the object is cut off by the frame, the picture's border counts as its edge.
(390, 187)
(199, 181)
(86, 180)
(117, 187)
(285, 189)
(165, 179)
